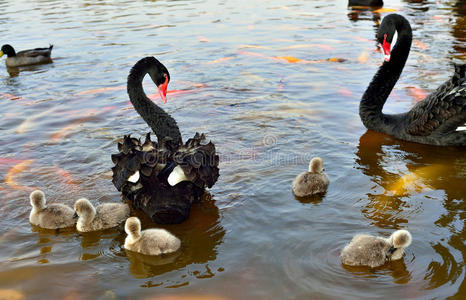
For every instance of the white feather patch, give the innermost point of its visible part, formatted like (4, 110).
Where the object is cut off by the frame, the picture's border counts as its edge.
(134, 178)
(461, 128)
(176, 176)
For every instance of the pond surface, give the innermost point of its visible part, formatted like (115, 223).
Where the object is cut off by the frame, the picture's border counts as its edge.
(272, 84)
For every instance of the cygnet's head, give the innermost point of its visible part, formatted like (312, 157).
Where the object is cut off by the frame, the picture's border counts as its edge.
(316, 165)
(37, 199)
(133, 226)
(399, 239)
(84, 208)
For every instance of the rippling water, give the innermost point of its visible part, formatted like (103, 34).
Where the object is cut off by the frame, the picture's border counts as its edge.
(250, 238)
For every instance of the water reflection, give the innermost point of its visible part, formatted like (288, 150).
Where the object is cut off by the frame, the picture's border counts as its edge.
(388, 161)
(441, 169)
(200, 236)
(459, 29)
(396, 269)
(314, 199)
(360, 13)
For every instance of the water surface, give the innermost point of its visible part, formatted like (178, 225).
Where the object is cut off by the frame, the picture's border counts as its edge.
(250, 238)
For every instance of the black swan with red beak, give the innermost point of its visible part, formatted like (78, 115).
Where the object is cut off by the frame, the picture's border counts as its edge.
(162, 178)
(436, 120)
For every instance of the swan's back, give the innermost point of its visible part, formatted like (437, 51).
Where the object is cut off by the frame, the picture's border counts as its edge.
(365, 250)
(154, 242)
(54, 216)
(443, 110)
(307, 183)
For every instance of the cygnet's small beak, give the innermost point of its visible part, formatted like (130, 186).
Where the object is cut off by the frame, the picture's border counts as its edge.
(391, 250)
(75, 216)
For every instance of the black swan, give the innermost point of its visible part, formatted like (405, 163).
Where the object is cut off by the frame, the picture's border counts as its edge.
(163, 179)
(365, 3)
(434, 120)
(26, 57)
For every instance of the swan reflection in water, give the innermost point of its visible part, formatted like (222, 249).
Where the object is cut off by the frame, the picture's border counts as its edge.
(442, 170)
(200, 236)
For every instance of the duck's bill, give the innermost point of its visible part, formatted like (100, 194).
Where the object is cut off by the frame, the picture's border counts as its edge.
(1, 53)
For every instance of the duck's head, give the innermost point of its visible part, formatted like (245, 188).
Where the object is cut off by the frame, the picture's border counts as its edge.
(84, 208)
(160, 76)
(133, 226)
(8, 50)
(400, 239)
(37, 199)
(316, 165)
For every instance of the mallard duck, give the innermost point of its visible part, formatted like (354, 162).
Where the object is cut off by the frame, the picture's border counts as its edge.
(26, 57)
(53, 216)
(313, 182)
(105, 216)
(374, 251)
(150, 241)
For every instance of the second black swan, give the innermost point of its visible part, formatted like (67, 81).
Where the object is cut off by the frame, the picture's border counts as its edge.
(162, 178)
(436, 120)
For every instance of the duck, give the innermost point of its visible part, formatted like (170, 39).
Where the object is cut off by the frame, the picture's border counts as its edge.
(315, 181)
(374, 251)
(376, 3)
(161, 178)
(26, 57)
(52, 216)
(152, 241)
(436, 120)
(104, 216)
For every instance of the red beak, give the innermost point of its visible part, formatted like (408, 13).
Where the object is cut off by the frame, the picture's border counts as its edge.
(163, 90)
(386, 48)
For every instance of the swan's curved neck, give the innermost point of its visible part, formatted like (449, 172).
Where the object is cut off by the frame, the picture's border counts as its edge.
(373, 100)
(160, 121)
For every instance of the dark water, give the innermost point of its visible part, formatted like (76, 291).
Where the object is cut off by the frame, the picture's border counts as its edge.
(250, 238)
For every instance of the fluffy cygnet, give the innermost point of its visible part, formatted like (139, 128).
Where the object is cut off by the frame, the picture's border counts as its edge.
(313, 182)
(150, 241)
(51, 216)
(105, 216)
(373, 251)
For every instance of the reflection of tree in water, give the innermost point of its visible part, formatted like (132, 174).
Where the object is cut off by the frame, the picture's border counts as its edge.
(376, 156)
(200, 235)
